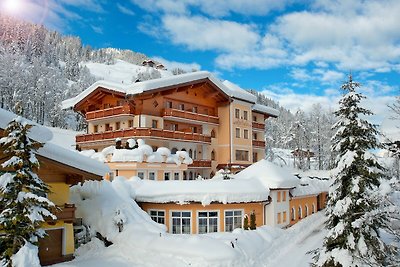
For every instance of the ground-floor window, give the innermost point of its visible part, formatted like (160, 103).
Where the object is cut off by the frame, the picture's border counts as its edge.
(300, 215)
(158, 216)
(176, 175)
(208, 222)
(242, 155)
(284, 216)
(140, 174)
(293, 214)
(279, 220)
(152, 175)
(233, 220)
(305, 211)
(181, 221)
(167, 176)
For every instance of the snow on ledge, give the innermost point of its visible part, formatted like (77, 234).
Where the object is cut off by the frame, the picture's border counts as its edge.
(203, 191)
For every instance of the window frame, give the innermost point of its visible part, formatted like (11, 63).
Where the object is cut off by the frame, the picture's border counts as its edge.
(167, 173)
(181, 218)
(237, 113)
(245, 133)
(245, 115)
(157, 215)
(233, 219)
(237, 132)
(208, 221)
(149, 174)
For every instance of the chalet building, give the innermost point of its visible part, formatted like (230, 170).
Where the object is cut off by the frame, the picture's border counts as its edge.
(59, 168)
(219, 205)
(217, 123)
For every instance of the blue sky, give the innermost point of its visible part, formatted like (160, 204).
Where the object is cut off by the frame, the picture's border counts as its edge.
(297, 52)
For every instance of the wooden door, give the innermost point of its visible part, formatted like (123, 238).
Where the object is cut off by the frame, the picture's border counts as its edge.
(50, 247)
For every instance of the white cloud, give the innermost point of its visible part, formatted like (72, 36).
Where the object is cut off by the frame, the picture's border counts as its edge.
(200, 33)
(175, 64)
(213, 8)
(125, 10)
(97, 29)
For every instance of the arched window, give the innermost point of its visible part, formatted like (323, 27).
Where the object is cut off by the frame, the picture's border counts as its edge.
(293, 214)
(213, 155)
(300, 215)
(212, 133)
(305, 211)
(173, 150)
(313, 208)
(183, 149)
(191, 153)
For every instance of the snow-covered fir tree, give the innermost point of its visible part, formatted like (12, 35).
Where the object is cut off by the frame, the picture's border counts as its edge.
(354, 210)
(23, 203)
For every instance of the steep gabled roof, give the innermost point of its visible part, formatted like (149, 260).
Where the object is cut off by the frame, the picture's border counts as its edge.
(227, 88)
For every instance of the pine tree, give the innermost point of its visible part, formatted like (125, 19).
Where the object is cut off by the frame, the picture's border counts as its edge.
(246, 223)
(354, 209)
(24, 206)
(253, 225)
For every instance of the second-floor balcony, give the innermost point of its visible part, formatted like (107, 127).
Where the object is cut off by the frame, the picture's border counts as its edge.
(182, 114)
(202, 163)
(258, 143)
(258, 125)
(108, 112)
(142, 133)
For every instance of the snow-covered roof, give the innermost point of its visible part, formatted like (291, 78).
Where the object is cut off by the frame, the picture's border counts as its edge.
(269, 174)
(53, 151)
(265, 109)
(227, 87)
(310, 186)
(37, 132)
(204, 191)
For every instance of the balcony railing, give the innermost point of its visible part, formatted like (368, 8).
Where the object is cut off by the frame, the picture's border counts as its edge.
(200, 164)
(120, 110)
(258, 125)
(64, 213)
(258, 143)
(170, 112)
(144, 132)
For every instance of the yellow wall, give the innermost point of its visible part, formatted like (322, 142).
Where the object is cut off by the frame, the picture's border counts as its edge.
(302, 202)
(195, 207)
(59, 193)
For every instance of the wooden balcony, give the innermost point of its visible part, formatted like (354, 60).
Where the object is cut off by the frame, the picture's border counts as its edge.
(108, 112)
(144, 132)
(258, 143)
(258, 125)
(182, 114)
(64, 213)
(203, 163)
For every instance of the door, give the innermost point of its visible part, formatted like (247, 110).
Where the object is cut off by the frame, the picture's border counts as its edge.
(50, 247)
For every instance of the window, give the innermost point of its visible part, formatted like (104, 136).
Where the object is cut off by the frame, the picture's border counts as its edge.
(193, 129)
(255, 118)
(120, 102)
(246, 134)
(95, 128)
(152, 175)
(254, 136)
(168, 104)
(108, 128)
(284, 196)
(158, 216)
(140, 174)
(212, 133)
(190, 153)
(255, 157)
(313, 208)
(233, 220)
(293, 214)
(176, 175)
(174, 127)
(245, 114)
(278, 196)
(242, 155)
(237, 132)
(208, 222)
(213, 155)
(117, 125)
(237, 113)
(130, 123)
(284, 216)
(300, 215)
(279, 219)
(181, 106)
(154, 124)
(305, 211)
(181, 221)
(194, 109)
(167, 176)
(107, 105)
